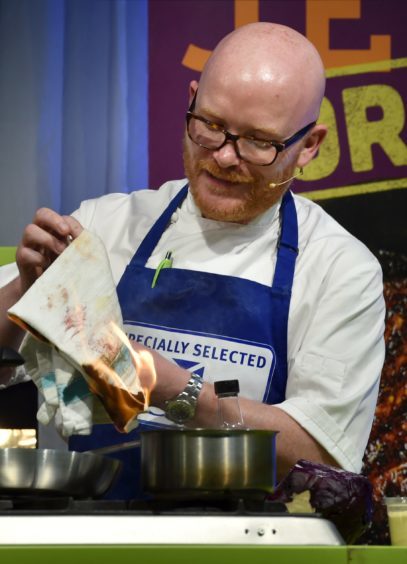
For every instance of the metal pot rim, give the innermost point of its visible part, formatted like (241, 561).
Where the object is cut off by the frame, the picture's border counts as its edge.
(205, 432)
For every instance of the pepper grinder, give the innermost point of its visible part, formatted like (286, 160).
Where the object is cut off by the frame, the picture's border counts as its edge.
(229, 413)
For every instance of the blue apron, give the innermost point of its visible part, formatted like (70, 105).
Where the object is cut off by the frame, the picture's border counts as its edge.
(214, 325)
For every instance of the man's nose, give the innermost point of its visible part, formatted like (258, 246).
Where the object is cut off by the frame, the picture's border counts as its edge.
(227, 155)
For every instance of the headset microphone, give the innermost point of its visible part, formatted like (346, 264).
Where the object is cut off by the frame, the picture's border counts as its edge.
(273, 185)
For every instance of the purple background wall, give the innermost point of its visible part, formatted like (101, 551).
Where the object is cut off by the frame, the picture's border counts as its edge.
(176, 24)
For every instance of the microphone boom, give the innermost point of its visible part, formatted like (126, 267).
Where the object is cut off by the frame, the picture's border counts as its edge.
(273, 185)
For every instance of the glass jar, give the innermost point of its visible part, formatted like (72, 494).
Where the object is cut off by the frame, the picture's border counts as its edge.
(229, 412)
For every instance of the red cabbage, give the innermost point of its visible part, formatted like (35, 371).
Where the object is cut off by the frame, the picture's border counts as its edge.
(345, 498)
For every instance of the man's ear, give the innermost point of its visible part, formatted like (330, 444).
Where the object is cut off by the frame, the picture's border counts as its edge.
(193, 87)
(311, 145)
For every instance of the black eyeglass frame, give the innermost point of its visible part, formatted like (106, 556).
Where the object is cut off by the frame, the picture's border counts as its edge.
(278, 145)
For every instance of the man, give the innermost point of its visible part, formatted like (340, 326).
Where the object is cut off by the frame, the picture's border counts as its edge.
(264, 286)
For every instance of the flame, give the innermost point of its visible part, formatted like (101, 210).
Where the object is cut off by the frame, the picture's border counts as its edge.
(125, 393)
(143, 362)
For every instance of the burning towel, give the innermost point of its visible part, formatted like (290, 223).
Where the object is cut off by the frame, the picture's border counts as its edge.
(80, 350)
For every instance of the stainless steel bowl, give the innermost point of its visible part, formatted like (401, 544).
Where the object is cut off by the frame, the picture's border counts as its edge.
(57, 472)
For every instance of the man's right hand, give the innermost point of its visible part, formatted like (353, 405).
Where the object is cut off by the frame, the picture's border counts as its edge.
(42, 242)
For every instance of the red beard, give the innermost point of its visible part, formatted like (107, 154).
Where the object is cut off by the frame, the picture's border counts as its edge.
(245, 197)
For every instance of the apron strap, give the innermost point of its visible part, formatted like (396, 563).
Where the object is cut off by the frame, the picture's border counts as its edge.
(287, 251)
(287, 247)
(150, 241)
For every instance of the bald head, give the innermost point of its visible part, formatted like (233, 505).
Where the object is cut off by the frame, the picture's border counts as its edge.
(273, 66)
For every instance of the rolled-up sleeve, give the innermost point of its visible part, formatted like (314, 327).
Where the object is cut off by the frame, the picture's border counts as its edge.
(336, 362)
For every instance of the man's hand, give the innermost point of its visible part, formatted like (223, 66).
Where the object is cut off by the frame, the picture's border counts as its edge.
(293, 442)
(43, 240)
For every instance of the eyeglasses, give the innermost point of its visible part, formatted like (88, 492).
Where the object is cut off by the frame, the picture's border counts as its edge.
(212, 136)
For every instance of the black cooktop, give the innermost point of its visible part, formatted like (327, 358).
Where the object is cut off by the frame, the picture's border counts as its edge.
(26, 504)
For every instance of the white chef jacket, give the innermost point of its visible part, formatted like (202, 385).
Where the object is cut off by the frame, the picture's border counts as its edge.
(336, 322)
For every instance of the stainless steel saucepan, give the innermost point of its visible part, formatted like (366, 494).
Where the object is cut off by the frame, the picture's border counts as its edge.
(208, 462)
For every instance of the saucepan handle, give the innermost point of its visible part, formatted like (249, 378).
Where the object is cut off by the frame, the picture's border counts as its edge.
(115, 448)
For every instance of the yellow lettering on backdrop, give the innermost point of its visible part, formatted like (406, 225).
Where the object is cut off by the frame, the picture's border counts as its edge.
(329, 153)
(363, 134)
(318, 16)
(246, 11)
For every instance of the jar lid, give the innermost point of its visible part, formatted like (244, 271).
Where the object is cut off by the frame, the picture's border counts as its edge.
(226, 387)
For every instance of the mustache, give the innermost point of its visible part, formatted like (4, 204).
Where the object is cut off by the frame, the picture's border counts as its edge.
(217, 172)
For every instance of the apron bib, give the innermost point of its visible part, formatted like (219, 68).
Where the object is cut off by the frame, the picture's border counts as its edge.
(220, 327)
